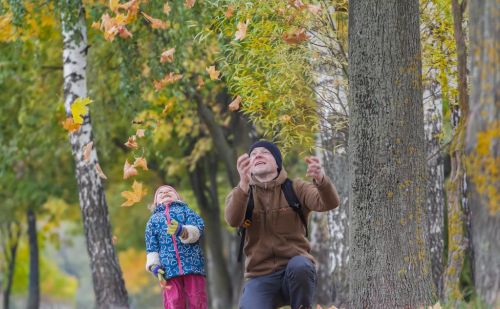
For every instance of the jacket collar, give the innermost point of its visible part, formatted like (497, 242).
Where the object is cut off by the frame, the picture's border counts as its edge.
(161, 207)
(282, 176)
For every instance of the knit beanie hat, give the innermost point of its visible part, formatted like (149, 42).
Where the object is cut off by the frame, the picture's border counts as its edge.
(273, 149)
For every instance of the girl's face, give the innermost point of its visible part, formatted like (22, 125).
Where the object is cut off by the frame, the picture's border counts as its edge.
(166, 195)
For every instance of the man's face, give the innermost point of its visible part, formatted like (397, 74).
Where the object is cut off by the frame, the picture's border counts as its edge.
(262, 162)
(166, 195)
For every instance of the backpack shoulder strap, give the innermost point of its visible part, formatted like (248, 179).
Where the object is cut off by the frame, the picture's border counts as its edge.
(293, 201)
(246, 223)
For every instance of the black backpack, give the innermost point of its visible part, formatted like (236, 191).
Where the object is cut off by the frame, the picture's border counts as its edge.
(293, 201)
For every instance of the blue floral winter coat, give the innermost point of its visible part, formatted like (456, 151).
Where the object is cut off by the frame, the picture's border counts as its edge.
(191, 259)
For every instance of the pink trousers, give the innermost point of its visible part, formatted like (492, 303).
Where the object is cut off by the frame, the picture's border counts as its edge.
(188, 289)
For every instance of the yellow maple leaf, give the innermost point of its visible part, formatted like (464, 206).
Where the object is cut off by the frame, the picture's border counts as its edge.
(214, 74)
(242, 30)
(168, 55)
(79, 108)
(132, 143)
(134, 196)
(166, 8)
(235, 105)
(141, 162)
(70, 126)
(155, 22)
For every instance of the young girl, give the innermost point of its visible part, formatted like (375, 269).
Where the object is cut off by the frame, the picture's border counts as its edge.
(174, 254)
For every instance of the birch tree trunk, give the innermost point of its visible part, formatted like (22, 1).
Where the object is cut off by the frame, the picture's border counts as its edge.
(109, 287)
(483, 146)
(389, 259)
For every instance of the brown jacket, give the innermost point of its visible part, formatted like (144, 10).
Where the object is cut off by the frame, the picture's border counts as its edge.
(277, 234)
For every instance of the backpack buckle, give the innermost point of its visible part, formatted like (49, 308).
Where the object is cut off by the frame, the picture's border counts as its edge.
(247, 223)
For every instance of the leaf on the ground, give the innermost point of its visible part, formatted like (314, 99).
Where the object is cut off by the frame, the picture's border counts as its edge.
(141, 162)
(70, 126)
(79, 108)
(132, 143)
(168, 55)
(235, 105)
(189, 3)
(242, 30)
(134, 196)
(100, 172)
(128, 170)
(87, 149)
(166, 8)
(214, 74)
(156, 23)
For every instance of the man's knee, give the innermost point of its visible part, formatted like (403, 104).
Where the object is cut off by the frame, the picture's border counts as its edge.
(300, 267)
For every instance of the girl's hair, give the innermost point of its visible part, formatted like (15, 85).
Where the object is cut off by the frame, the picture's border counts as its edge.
(153, 205)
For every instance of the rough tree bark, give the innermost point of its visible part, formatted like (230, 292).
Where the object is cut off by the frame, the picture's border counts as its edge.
(109, 287)
(11, 232)
(484, 129)
(458, 213)
(34, 275)
(389, 259)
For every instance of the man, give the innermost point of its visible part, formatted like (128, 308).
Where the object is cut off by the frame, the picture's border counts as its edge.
(279, 267)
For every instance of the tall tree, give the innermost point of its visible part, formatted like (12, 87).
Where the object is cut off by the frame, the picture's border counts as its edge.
(483, 146)
(389, 263)
(34, 282)
(109, 286)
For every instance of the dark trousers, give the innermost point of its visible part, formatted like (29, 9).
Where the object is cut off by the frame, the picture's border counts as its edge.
(293, 285)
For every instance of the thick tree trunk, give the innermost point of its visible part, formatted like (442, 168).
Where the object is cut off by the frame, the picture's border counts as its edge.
(458, 213)
(109, 287)
(435, 185)
(219, 283)
(484, 21)
(389, 259)
(34, 275)
(10, 243)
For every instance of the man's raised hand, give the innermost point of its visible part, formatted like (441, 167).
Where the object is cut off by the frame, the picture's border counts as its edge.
(243, 166)
(314, 169)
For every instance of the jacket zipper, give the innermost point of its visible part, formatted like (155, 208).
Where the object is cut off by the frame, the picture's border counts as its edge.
(167, 213)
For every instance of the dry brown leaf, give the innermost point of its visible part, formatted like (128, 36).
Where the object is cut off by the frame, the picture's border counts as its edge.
(166, 8)
(296, 36)
(87, 149)
(200, 82)
(242, 30)
(134, 196)
(229, 12)
(141, 162)
(155, 22)
(167, 80)
(131, 142)
(100, 172)
(70, 126)
(214, 74)
(168, 55)
(189, 3)
(235, 105)
(128, 170)
(140, 133)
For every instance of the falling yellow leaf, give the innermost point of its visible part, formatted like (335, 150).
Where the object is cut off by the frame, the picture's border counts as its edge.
(189, 3)
(141, 162)
(79, 108)
(100, 172)
(166, 8)
(214, 74)
(235, 105)
(129, 170)
(139, 133)
(296, 36)
(242, 30)
(155, 22)
(87, 149)
(132, 143)
(134, 196)
(70, 126)
(229, 12)
(168, 55)
(128, 5)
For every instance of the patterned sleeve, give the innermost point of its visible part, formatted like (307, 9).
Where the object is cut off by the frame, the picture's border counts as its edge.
(151, 237)
(192, 218)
